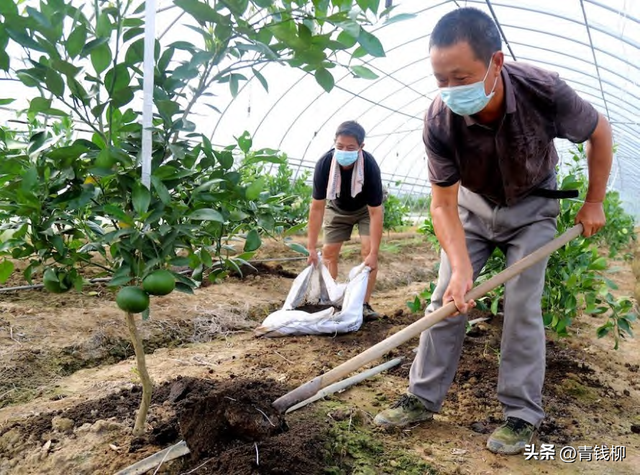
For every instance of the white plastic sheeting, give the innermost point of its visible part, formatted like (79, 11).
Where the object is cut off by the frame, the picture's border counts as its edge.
(593, 44)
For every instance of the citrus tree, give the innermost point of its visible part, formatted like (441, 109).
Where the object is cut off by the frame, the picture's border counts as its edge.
(576, 276)
(75, 198)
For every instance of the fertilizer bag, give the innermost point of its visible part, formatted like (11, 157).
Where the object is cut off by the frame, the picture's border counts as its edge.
(315, 286)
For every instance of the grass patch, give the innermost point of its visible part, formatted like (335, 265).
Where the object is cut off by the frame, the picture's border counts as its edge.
(353, 448)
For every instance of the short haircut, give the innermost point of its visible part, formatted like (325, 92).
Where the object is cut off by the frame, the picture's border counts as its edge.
(470, 25)
(351, 128)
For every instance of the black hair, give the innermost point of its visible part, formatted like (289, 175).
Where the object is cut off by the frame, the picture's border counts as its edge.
(470, 25)
(351, 128)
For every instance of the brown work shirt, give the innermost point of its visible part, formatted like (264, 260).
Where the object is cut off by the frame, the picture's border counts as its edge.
(507, 161)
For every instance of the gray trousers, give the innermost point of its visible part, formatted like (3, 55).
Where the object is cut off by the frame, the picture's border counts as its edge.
(518, 231)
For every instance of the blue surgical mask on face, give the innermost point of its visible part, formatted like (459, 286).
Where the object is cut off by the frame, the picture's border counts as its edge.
(346, 157)
(469, 99)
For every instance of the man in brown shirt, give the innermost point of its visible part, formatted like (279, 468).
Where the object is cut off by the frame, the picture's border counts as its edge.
(489, 139)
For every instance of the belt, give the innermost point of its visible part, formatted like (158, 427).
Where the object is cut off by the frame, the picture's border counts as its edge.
(555, 194)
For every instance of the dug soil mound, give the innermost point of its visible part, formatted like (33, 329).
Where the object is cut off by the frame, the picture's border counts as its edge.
(238, 431)
(230, 426)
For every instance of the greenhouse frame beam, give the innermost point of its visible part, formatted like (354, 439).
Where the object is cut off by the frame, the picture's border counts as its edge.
(354, 95)
(504, 37)
(600, 29)
(600, 81)
(573, 40)
(383, 119)
(613, 10)
(595, 59)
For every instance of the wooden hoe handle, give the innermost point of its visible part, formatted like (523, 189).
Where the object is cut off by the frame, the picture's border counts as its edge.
(310, 388)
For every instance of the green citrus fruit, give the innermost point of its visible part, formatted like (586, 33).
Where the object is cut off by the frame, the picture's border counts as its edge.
(132, 299)
(56, 282)
(160, 282)
(105, 160)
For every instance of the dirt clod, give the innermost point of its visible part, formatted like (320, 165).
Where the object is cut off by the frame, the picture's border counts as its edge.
(480, 428)
(238, 429)
(315, 308)
(62, 424)
(635, 428)
(239, 411)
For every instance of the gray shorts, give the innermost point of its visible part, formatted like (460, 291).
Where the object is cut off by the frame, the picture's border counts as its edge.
(338, 224)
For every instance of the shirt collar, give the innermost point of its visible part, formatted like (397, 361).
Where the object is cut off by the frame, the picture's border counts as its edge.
(509, 97)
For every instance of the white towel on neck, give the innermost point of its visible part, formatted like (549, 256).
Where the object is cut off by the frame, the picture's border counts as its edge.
(335, 178)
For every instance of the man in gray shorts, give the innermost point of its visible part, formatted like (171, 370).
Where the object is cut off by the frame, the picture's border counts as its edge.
(489, 139)
(347, 190)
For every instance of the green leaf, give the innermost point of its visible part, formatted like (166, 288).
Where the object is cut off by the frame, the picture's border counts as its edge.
(141, 198)
(184, 288)
(103, 27)
(200, 11)
(205, 257)
(146, 314)
(294, 246)
(237, 7)
(225, 158)
(117, 78)
(122, 97)
(28, 79)
(65, 68)
(24, 40)
(91, 45)
(42, 20)
(117, 281)
(602, 331)
(371, 44)
(622, 323)
(245, 142)
(132, 33)
(6, 269)
(54, 82)
(254, 189)
(161, 189)
(206, 214)
(252, 241)
(117, 213)
(599, 264)
(294, 229)
(5, 61)
(261, 78)
(8, 9)
(58, 244)
(347, 40)
(494, 306)
(325, 79)
(4, 102)
(233, 84)
(350, 27)
(76, 41)
(101, 58)
(39, 104)
(364, 72)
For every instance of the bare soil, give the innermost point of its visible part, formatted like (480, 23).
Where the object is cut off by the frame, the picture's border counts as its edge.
(69, 389)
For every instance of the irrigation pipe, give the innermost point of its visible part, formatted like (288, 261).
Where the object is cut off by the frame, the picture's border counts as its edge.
(345, 383)
(107, 279)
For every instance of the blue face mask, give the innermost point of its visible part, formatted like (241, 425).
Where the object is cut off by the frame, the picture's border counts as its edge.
(469, 99)
(346, 157)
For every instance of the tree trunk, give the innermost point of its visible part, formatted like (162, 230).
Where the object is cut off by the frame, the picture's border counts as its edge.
(147, 386)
